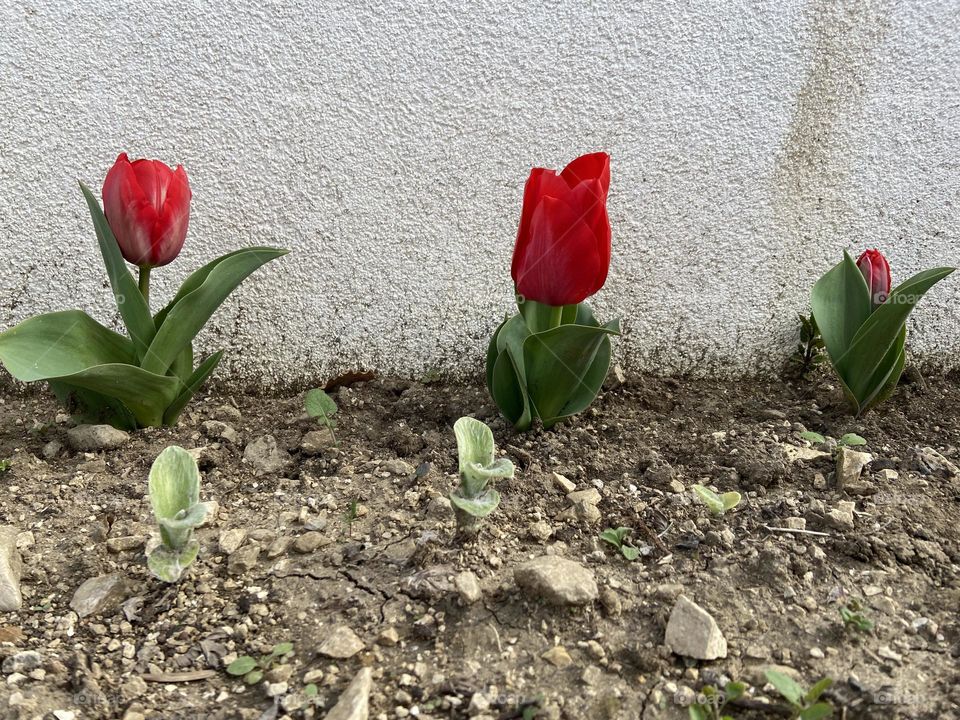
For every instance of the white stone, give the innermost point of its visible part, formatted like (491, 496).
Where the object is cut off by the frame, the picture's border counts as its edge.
(692, 632)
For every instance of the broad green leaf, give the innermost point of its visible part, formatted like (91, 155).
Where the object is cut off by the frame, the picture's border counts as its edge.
(851, 440)
(887, 387)
(253, 677)
(697, 712)
(709, 498)
(629, 552)
(841, 304)
(188, 390)
(193, 281)
(492, 354)
(475, 442)
(319, 404)
(185, 319)
(509, 393)
(612, 536)
(282, 649)
(786, 686)
(241, 666)
(816, 712)
(131, 304)
(814, 693)
(813, 437)
(174, 485)
(60, 344)
(866, 365)
(477, 507)
(734, 690)
(87, 406)
(182, 365)
(475, 476)
(168, 565)
(558, 364)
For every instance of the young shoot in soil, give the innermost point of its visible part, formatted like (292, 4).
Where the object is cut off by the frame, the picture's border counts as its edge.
(619, 538)
(804, 704)
(478, 465)
(809, 353)
(4, 466)
(711, 702)
(252, 670)
(717, 504)
(854, 617)
(175, 497)
(321, 406)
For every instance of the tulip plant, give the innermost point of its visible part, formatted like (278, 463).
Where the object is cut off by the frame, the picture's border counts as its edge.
(863, 323)
(478, 465)
(145, 379)
(551, 358)
(175, 498)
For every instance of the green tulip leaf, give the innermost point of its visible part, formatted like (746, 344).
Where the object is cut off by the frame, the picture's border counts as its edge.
(562, 372)
(87, 406)
(130, 302)
(841, 304)
(70, 348)
(509, 392)
(191, 386)
(190, 313)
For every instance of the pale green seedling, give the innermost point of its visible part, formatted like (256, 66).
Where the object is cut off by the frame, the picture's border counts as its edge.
(175, 498)
(717, 504)
(478, 465)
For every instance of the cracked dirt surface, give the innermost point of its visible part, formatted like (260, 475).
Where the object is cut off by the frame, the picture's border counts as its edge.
(304, 573)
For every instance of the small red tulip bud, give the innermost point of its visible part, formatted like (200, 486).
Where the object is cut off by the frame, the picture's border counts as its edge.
(876, 271)
(148, 208)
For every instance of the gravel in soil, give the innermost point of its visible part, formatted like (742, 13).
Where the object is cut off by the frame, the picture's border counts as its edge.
(346, 547)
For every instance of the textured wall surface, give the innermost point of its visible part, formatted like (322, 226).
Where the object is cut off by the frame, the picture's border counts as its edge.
(387, 146)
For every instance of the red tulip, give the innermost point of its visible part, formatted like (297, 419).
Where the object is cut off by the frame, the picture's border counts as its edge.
(563, 246)
(148, 207)
(876, 271)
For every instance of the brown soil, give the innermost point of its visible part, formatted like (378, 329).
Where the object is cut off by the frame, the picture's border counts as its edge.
(775, 595)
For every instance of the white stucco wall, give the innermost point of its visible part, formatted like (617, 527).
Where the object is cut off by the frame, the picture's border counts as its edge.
(386, 144)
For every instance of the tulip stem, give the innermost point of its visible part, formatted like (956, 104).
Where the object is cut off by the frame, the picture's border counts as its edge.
(144, 284)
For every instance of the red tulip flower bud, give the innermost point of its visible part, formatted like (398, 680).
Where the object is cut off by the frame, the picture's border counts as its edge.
(562, 253)
(876, 271)
(148, 207)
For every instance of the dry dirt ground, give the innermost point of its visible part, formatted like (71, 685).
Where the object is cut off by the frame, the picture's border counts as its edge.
(349, 552)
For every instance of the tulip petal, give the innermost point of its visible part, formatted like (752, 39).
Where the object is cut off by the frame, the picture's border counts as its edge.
(171, 228)
(595, 166)
(562, 264)
(129, 213)
(540, 183)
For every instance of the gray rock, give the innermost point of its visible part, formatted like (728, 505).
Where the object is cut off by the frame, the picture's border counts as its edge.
(243, 560)
(316, 442)
(557, 580)
(89, 438)
(341, 643)
(692, 632)
(231, 540)
(265, 457)
(590, 495)
(99, 595)
(52, 449)
(309, 541)
(397, 467)
(928, 461)
(355, 700)
(850, 464)
(563, 484)
(220, 430)
(10, 569)
(22, 662)
(839, 519)
(468, 586)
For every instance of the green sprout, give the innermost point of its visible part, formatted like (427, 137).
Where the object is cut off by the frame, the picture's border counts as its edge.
(252, 670)
(809, 353)
(715, 701)
(854, 617)
(321, 406)
(5, 466)
(846, 440)
(478, 465)
(351, 515)
(804, 704)
(175, 497)
(618, 537)
(717, 504)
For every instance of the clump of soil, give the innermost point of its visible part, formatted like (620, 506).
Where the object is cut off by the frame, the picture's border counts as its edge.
(348, 551)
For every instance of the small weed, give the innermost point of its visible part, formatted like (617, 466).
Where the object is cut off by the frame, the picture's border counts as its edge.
(717, 504)
(5, 466)
(715, 701)
(854, 617)
(322, 407)
(809, 353)
(252, 670)
(803, 703)
(618, 537)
